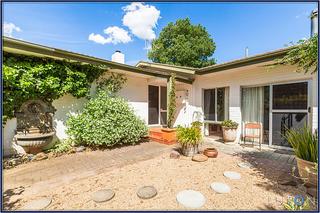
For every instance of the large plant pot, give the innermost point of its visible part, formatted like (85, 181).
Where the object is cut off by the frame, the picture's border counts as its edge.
(307, 172)
(169, 136)
(189, 149)
(229, 134)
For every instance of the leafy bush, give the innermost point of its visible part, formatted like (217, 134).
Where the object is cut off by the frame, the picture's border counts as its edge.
(304, 143)
(229, 124)
(189, 135)
(62, 146)
(106, 120)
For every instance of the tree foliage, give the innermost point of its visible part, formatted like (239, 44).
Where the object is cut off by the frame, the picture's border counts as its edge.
(183, 44)
(27, 77)
(304, 55)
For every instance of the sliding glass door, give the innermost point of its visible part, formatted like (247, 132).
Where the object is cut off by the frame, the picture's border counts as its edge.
(278, 107)
(289, 110)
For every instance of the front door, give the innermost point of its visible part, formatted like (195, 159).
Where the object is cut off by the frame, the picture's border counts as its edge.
(157, 105)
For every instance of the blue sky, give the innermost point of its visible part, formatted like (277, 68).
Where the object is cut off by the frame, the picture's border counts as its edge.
(233, 26)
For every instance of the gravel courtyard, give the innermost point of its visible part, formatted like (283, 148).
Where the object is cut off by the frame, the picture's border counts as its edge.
(258, 188)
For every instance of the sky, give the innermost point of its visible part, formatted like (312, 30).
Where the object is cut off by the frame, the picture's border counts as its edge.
(99, 29)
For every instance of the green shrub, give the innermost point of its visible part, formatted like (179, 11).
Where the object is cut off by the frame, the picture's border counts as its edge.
(189, 135)
(106, 120)
(62, 146)
(172, 100)
(304, 143)
(229, 124)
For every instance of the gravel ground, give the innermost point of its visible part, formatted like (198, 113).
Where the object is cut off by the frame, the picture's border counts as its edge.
(256, 190)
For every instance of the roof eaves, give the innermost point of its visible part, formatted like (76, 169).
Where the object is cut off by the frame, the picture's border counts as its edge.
(63, 54)
(260, 58)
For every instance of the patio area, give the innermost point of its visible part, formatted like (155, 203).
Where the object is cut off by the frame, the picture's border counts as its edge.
(266, 185)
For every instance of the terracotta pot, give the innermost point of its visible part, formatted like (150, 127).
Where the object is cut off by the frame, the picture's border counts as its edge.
(307, 172)
(189, 149)
(229, 134)
(211, 152)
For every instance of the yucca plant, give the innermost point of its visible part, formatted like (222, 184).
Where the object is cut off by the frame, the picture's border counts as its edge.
(304, 143)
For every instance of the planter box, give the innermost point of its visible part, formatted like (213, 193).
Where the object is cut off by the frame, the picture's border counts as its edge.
(307, 172)
(229, 134)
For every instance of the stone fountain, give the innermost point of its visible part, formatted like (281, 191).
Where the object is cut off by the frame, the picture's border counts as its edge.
(34, 125)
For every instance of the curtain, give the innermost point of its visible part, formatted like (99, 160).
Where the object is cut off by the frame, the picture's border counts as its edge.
(252, 106)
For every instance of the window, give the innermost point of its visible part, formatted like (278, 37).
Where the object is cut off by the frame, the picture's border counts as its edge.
(215, 104)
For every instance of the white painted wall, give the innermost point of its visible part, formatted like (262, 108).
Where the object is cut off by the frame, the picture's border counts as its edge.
(247, 76)
(135, 91)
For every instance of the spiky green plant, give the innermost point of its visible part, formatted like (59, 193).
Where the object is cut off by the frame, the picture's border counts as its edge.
(189, 135)
(304, 143)
(172, 100)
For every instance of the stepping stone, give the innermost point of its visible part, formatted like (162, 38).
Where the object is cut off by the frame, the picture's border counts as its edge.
(103, 195)
(191, 199)
(38, 204)
(245, 165)
(232, 175)
(147, 192)
(220, 188)
(199, 158)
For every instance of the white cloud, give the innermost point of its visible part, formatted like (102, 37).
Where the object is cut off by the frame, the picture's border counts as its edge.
(115, 35)
(9, 28)
(141, 19)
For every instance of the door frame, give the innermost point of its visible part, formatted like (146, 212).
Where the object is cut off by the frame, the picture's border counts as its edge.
(159, 105)
(271, 110)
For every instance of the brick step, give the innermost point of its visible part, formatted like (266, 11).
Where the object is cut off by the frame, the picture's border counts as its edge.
(157, 135)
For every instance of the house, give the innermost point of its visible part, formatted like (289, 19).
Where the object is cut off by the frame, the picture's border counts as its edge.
(241, 90)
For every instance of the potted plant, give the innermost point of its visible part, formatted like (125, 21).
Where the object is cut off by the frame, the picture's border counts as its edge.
(229, 130)
(189, 139)
(169, 133)
(305, 145)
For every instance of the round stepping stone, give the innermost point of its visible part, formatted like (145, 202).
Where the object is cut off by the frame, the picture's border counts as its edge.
(191, 199)
(102, 195)
(38, 204)
(147, 192)
(199, 158)
(232, 175)
(221, 188)
(245, 165)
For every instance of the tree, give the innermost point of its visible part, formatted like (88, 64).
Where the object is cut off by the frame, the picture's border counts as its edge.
(172, 100)
(183, 44)
(304, 55)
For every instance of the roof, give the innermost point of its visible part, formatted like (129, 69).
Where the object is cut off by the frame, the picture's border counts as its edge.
(255, 59)
(27, 48)
(184, 74)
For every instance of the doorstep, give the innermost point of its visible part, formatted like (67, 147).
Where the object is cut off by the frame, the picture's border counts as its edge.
(156, 134)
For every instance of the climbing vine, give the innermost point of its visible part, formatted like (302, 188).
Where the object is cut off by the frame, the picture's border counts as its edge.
(28, 77)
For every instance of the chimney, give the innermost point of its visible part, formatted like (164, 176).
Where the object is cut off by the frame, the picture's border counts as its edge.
(118, 57)
(314, 22)
(246, 53)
